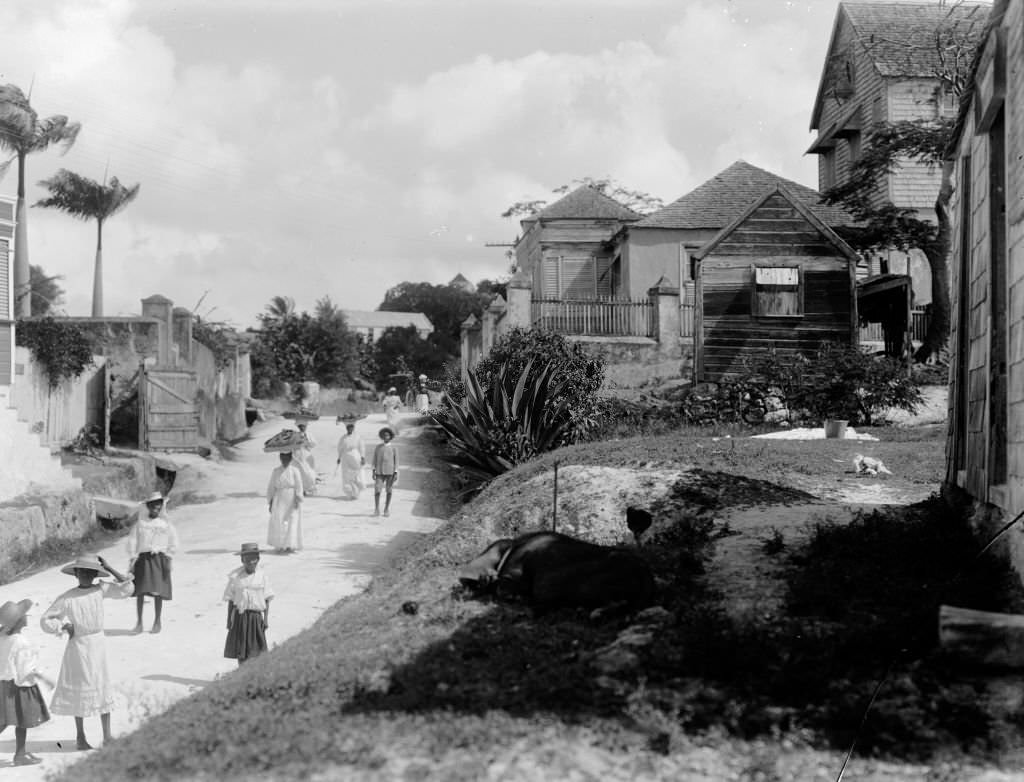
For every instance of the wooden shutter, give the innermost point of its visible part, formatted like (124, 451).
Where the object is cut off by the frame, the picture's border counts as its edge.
(578, 277)
(5, 281)
(605, 289)
(777, 291)
(549, 284)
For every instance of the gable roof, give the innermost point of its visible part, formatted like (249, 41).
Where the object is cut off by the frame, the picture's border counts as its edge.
(899, 39)
(802, 209)
(586, 203)
(724, 197)
(382, 319)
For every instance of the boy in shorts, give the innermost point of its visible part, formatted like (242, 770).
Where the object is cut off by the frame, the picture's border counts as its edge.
(385, 470)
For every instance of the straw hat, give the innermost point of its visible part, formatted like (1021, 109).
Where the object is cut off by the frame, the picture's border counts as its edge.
(154, 497)
(85, 562)
(248, 548)
(11, 612)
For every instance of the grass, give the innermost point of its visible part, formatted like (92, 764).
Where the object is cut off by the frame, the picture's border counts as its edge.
(462, 682)
(54, 551)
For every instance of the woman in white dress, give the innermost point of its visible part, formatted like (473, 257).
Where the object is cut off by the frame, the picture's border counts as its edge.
(392, 402)
(284, 496)
(304, 459)
(83, 687)
(351, 458)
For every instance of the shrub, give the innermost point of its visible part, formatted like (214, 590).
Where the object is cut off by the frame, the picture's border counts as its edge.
(497, 428)
(577, 375)
(61, 347)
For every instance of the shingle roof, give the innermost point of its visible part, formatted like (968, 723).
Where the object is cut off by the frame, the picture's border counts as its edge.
(724, 197)
(587, 203)
(379, 319)
(900, 37)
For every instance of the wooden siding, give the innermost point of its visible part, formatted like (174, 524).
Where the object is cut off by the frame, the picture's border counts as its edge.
(977, 355)
(774, 234)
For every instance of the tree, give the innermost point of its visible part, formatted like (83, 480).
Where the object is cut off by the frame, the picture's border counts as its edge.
(637, 200)
(87, 199)
(446, 306)
(887, 145)
(403, 349)
(22, 133)
(46, 294)
(280, 307)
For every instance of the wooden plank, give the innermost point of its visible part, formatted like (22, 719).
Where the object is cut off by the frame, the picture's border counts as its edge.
(744, 236)
(809, 263)
(176, 394)
(769, 250)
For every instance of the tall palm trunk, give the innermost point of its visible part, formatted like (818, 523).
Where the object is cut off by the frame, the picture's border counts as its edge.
(97, 275)
(22, 285)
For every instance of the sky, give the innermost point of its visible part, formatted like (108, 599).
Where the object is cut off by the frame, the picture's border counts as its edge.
(311, 148)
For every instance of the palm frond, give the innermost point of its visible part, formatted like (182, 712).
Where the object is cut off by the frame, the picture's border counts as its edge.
(85, 198)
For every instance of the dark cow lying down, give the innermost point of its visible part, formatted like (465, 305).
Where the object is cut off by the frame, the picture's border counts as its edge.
(548, 569)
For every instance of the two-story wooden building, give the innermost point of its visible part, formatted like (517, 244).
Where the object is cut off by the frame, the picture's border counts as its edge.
(891, 62)
(985, 446)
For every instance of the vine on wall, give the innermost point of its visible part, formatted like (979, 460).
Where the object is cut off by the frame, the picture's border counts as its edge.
(63, 348)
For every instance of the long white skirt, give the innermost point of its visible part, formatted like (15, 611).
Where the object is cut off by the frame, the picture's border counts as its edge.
(83, 687)
(284, 529)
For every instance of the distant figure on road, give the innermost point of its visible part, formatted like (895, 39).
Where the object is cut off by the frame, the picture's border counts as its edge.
(351, 458)
(392, 402)
(83, 687)
(422, 397)
(21, 703)
(304, 459)
(151, 544)
(284, 496)
(385, 470)
(248, 594)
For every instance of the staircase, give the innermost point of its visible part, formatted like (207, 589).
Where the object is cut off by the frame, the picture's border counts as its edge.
(26, 466)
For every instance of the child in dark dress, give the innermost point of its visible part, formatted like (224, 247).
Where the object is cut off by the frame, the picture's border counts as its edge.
(248, 594)
(21, 703)
(151, 545)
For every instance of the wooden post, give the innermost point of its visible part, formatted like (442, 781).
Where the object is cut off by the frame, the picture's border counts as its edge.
(143, 415)
(554, 508)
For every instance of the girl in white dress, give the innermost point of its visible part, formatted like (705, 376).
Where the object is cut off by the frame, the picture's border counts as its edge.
(284, 496)
(351, 458)
(83, 687)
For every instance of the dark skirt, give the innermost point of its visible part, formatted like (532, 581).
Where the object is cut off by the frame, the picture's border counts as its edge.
(152, 573)
(22, 707)
(247, 636)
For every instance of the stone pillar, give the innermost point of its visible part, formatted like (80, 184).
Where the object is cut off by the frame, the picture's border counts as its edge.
(664, 298)
(519, 293)
(469, 352)
(493, 323)
(159, 307)
(182, 334)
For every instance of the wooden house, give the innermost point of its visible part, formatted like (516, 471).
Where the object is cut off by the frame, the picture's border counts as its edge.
(985, 446)
(776, 277)
(889, 62)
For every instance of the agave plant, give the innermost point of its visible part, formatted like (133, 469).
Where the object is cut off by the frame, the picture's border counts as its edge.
(495, 429)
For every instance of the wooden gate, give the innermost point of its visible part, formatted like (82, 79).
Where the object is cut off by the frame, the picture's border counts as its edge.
(168, 413)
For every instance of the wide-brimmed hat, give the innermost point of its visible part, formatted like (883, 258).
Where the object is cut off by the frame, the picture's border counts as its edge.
(85, 562)
(285, 441)
(387, 429)
(302, 416)
(11, 612)
(392, 390)
(248, 548)
(154, 497)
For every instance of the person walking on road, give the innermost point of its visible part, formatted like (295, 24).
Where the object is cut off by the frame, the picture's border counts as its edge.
(392, 403)
(21, 703)
(351, 458)
(284, 496)
(385, 470)
(305, 460)
(151, 544)
(248, 594)
(83, 686)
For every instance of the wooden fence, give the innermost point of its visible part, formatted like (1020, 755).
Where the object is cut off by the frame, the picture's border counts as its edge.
(918, 328)
(599, 318)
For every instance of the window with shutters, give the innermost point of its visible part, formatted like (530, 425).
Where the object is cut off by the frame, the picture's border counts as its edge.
(576, 277)
(777, 292)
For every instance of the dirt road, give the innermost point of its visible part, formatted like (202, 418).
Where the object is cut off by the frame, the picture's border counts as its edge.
(216, 507)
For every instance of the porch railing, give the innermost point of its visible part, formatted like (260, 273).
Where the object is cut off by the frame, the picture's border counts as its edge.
(598, 318)
(918, 328)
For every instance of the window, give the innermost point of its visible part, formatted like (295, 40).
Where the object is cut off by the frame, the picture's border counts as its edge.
(854, 147)
(777, 292)
(576, 277)
(828, 169)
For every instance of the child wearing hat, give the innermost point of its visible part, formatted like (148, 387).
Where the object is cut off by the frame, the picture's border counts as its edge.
(385, 470)
(248, 594)
(151, 544)
(21, 703)
(83, 686)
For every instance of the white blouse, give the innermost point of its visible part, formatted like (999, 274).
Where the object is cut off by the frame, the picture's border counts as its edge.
(248, 592)
(19, 660)
(155, 535)
(82, 608)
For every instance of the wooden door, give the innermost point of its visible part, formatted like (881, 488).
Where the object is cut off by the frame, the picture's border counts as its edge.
(168, 412)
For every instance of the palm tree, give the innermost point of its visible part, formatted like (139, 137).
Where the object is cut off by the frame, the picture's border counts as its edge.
(22, 133)
(87, 199)
(280, 307)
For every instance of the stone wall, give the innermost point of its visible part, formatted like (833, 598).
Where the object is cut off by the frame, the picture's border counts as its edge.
(633, 362)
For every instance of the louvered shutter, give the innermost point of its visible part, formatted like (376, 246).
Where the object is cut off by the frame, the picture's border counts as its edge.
(578, 278)
(604, 278)
(5, 280)
(549, 284)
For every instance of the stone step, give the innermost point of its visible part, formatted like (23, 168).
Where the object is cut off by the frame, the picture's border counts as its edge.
(26, 465)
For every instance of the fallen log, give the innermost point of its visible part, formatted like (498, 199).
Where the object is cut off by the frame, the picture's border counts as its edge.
(982, 637)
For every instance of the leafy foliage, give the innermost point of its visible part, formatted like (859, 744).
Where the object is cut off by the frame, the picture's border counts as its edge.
(637, 200)
(578, 374)
(297, 347)
(47, 295)
(219, 337)
(400, 350)
(516, 417)
(61, 347)
(446, 307)
(86, 198)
